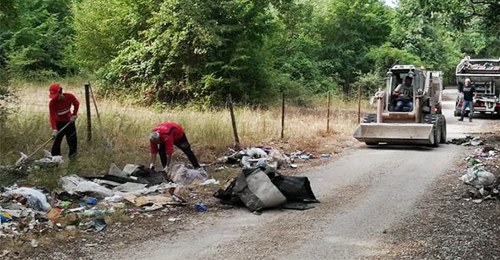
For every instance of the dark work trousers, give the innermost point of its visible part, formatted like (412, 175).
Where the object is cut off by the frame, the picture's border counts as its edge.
(70, 133)
(182, 144)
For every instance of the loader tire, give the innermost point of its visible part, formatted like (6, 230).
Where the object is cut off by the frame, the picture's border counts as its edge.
(370, 118)
(443, 128)
(436, 129)
(437, 134)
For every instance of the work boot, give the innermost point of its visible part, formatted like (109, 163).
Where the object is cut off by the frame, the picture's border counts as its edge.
(470, 119)
(461, 119)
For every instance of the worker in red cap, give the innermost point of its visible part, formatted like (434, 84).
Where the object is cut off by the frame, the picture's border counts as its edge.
(62, 120)
(162, 140)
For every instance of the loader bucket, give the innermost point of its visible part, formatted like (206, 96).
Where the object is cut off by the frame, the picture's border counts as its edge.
(393, 133)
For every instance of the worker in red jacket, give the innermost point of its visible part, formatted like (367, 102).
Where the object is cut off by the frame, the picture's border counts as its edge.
(62, 120)
(162, 140)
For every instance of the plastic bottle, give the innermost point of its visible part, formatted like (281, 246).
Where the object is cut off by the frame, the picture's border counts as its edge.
(201, 207)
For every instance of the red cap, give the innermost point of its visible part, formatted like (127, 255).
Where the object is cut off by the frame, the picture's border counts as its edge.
(54, 90)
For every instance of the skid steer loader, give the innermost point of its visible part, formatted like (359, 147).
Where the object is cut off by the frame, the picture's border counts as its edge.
(422, 125)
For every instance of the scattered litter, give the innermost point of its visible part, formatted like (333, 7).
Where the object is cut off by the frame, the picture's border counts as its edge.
(211, 181)
(184, 175)
(153, 207)
(99, 224)
(173, 219)
(478, 177)
(74, 184)
(34, 243)
(34, 198)
(200, 207)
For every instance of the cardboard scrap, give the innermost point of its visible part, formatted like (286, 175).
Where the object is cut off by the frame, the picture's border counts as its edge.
(139, 201)
(54, 214)
(153, 199)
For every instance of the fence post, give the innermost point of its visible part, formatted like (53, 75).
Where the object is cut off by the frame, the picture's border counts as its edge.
(328, 114)
(237, 144)
(282, 115)
(89, 119)
(359, 103)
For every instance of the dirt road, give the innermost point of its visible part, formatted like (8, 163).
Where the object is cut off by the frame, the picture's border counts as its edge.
(364, 193)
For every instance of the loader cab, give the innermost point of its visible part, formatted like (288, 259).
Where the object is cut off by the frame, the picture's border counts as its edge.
(396, 76)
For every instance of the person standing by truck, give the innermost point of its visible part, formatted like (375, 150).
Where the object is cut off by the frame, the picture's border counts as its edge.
(469, 94)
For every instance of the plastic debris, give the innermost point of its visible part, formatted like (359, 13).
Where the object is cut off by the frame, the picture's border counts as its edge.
(184, 175)
(91, 201)
(478, 177)
(211, 182)
(200, 207)
(74, 184)
(34, 198)
(5, 217)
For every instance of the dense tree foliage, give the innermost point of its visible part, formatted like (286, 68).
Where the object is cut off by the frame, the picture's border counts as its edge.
(202, 50)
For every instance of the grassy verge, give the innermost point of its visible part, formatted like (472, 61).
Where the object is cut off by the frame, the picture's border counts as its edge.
(127, 126)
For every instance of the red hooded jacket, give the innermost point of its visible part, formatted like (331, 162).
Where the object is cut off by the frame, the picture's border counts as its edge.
(170, 133)
(60, 111)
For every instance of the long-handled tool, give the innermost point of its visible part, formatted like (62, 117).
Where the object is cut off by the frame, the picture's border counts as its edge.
(25, 157)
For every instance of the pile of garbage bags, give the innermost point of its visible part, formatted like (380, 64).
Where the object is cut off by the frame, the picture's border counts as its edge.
(258, 190)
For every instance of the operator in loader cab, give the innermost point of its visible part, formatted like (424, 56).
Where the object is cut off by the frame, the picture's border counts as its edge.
(62, 120)
(404, 95)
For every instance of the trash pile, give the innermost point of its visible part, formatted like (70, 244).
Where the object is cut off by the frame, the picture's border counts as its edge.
(258, 189)
(467, 141)
(83, 203)
(266, 157)
(26, 164)
(484, 185)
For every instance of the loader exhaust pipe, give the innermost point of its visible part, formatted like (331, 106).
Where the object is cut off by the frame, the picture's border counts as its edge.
(418, 104)
(380, 96)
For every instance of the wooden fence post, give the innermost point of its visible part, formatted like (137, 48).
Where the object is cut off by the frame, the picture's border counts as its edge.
(328, 114)
(237, 144)
(89, 119)
(359, 103)
(282, 115)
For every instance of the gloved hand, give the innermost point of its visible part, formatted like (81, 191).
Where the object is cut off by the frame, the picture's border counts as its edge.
(152, 166)
(72, 118)
(54, 134)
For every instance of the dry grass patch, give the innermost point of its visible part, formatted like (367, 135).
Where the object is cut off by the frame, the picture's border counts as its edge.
(209, 131)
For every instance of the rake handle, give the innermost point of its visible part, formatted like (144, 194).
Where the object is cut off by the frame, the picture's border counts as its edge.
(46, 142)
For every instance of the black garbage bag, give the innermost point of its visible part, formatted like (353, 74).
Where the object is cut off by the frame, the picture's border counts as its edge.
(226, 195)
(257, 191)
(295, 188)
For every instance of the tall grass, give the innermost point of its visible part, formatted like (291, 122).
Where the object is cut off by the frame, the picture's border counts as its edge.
(209, 131)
